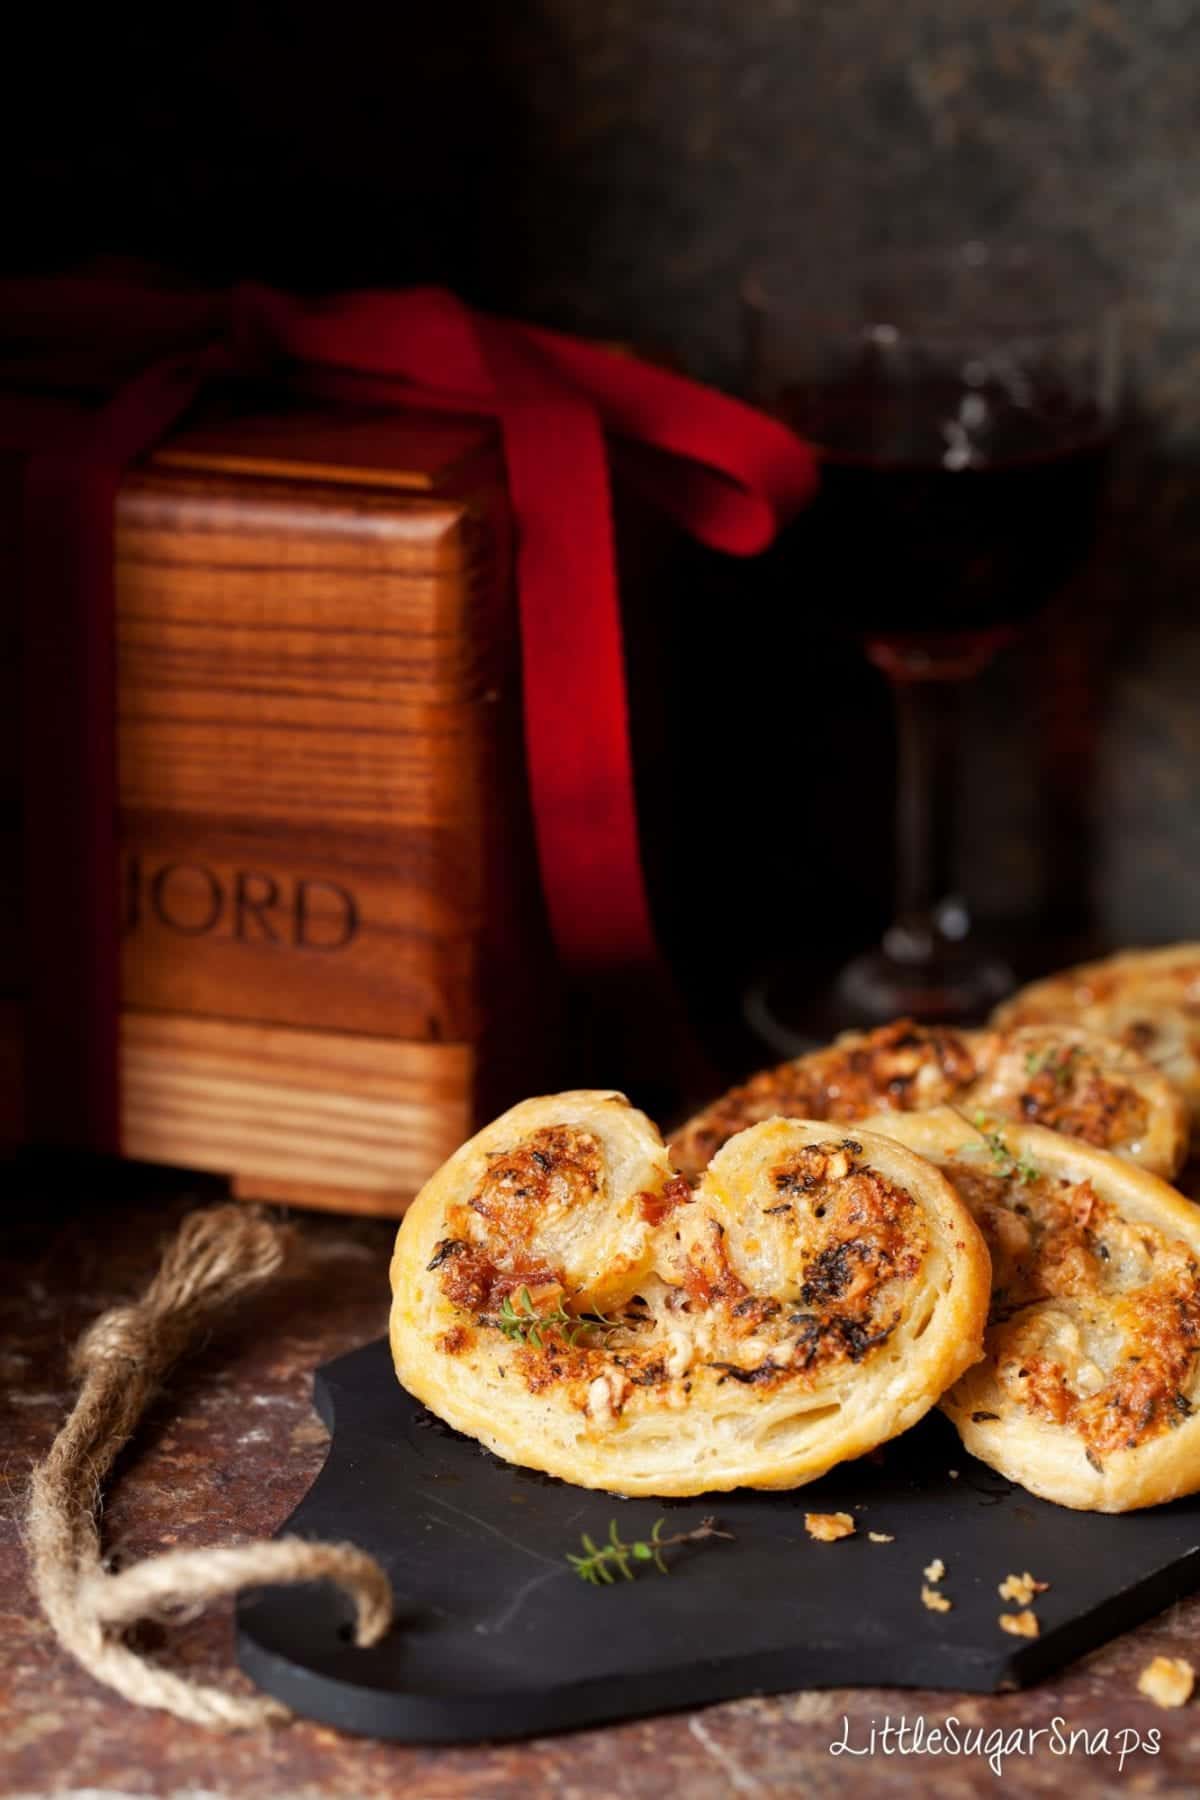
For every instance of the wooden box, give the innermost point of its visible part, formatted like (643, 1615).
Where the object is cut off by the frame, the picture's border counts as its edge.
(329, 896)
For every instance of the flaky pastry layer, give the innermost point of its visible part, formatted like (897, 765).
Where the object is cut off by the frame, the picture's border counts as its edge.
(1089, 1391)
(563, 1295)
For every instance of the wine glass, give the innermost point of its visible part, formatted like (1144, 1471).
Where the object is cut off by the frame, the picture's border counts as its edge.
(962, 403)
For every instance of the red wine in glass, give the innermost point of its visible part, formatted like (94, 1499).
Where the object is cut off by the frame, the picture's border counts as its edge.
(969, 511)
(961, 402)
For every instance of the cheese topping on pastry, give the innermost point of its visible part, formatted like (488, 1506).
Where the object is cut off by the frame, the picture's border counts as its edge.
(563, 1295)
(1064, 1077)
(900, 1065)
(1091, 1378)
(1149, 999)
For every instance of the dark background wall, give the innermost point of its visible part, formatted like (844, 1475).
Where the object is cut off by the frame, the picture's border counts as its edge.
(667, 145)
(612, 166)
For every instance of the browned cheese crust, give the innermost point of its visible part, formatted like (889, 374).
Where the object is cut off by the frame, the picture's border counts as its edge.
(1148, 999)
(562, 1294)
(902, 1065)
(1069, 1079)
(1088, 1390)
(1053, 1239)
(867, 1246)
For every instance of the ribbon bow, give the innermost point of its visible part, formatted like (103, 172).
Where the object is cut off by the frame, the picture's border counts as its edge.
(725, 472)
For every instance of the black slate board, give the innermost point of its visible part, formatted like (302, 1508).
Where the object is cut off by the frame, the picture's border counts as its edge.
(496, 1637)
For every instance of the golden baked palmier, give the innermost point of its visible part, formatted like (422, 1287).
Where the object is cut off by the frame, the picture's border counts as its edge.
(561, 1294)
(1149, 999)
(1084, 1084)
(1062, 1076)
(1089, 1392)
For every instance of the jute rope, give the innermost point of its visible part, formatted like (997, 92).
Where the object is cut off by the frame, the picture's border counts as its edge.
(214, 1258)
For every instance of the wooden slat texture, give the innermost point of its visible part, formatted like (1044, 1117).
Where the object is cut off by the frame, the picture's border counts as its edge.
(318, 709)
(416, 775)
(406, 449)
(288, 774)
(378, 1203)
(329, 893)
(253, 933)
(292, 1106)
(370, 672)
(397, 589)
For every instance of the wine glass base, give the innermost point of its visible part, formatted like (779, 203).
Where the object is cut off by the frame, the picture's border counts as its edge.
(958, 987)
(954, 987)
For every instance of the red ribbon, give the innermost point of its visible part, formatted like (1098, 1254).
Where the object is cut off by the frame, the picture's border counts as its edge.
(726, 473)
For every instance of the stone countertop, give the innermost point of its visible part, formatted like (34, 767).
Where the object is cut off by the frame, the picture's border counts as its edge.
(228, 1451)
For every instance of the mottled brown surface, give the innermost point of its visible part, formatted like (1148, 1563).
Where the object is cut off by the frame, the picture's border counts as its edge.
(231, 1449)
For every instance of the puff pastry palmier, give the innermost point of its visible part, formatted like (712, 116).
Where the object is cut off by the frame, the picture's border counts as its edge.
(1147, 998)
(1070, 1079)
(1089, 1392)
(561, 1294)
(1084, 1084)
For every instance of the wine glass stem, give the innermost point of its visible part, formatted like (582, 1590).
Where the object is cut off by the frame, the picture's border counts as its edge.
(926, 735)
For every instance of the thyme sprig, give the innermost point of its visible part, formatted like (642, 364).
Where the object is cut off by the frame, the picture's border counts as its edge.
(1005, 1163)
(1050, 1060)
(524, 1324)
(600, 1563)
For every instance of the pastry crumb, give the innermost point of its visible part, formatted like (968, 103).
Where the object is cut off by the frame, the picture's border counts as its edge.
(953, 1474)
(934, 1601)
(935, 1570)
(1021, 1624)
(827, 1528)
(881, 1537)
(1167, 1680)
(1021, 1588)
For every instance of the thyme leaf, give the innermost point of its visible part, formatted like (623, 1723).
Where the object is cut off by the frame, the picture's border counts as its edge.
(1006, 1164)
(524, 1324)
(601, 1563)
(1057, 1063)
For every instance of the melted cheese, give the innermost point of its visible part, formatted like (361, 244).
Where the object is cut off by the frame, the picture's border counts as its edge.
(812, 1295)
(1067, 1078)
